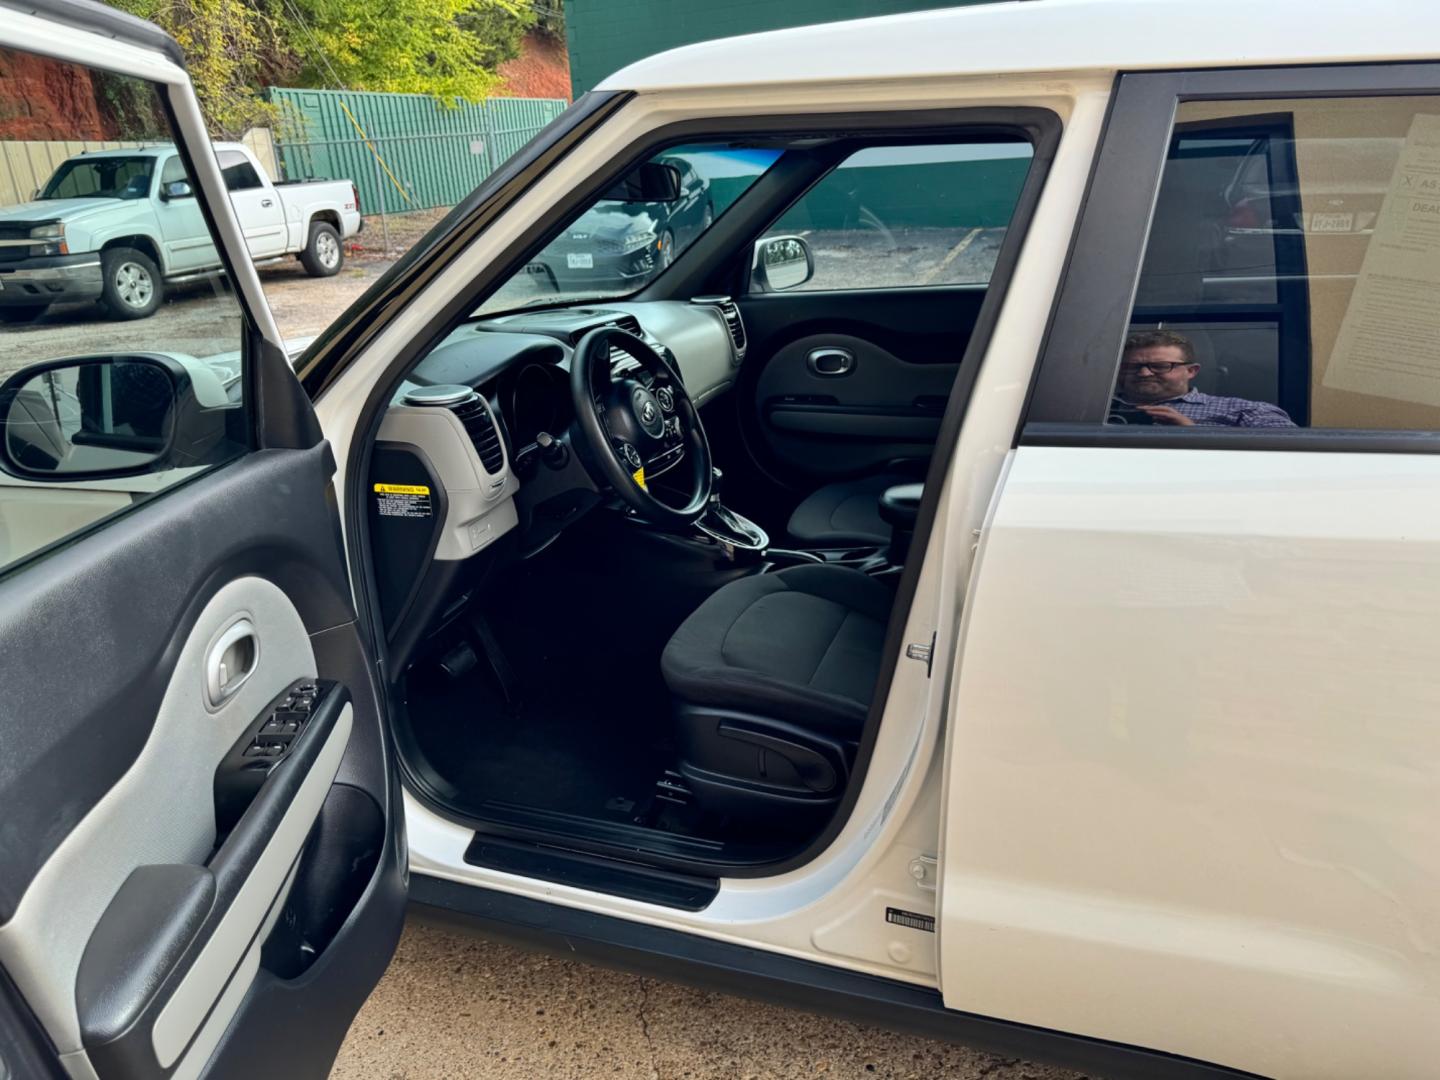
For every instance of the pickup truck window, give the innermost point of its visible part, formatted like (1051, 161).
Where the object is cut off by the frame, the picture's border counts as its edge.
(239, 174)
(101, 178)
(109, 394)
(1292, 274)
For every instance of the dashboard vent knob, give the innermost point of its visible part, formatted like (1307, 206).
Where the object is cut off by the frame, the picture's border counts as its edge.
(473, 412)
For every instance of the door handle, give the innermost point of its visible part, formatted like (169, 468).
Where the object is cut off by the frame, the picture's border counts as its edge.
(830, 362)
(230, 661)
(267, 202)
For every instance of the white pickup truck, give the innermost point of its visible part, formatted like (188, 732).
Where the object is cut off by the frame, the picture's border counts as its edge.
(118, 226)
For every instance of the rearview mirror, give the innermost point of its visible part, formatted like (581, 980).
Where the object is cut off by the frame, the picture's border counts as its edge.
(649, 182)
(781, 262)
(176, 189)
(91, 417)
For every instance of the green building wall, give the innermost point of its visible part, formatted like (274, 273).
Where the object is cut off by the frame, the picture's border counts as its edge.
(605, 35)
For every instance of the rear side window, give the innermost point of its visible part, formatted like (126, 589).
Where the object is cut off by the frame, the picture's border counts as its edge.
(910, 216)
(239, 174)
(1292, 271)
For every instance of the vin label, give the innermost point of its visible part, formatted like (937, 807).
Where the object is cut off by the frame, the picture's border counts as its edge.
(403, 500)
(913, 919)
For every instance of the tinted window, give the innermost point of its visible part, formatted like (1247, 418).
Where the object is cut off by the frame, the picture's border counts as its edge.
(239, 174)
(617, 247)
(905, 216)
(1292, 274)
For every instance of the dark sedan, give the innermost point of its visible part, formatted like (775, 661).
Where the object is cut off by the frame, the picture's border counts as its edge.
(622, 245)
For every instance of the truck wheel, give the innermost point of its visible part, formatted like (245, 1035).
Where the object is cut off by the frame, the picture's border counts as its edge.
(323, 254)
(132, 287)
(23, 313)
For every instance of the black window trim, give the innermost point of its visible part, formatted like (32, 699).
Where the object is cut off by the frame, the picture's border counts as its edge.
(1071, 388)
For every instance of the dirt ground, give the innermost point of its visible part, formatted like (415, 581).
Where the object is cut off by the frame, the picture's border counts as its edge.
(453, 1006)
(201, 318)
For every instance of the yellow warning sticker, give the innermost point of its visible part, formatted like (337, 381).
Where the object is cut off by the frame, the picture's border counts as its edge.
(639, 477)
(403, 501)
(401, 489)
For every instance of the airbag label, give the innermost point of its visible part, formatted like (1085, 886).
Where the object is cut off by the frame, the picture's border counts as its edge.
(403, 500)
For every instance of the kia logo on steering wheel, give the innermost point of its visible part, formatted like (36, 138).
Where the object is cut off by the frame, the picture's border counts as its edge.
(647, 413)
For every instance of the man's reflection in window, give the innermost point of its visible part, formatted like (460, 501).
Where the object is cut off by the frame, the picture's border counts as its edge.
(1154, 387)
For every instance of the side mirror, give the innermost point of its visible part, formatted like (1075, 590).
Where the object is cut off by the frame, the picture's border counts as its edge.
(781, 262)
(91, 417)
(647, 183)
(176, 189)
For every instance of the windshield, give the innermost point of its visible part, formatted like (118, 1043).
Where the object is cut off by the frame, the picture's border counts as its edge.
(101, 178)
(615, 248)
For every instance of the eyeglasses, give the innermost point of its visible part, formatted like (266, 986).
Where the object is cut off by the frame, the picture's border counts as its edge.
(1159, 367)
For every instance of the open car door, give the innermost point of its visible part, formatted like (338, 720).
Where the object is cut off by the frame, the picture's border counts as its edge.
(201, 849)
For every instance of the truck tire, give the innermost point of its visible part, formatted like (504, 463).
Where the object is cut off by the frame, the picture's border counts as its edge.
(131, 286)
(23, 313)
(324, 254)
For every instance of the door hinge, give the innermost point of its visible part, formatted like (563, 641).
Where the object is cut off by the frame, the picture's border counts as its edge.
(923, 868)
(922, 652)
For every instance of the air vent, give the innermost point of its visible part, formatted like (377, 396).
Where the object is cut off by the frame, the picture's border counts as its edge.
(475, 418)
(731, 314)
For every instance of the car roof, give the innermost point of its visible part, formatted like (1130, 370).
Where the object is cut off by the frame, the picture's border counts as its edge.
(1053, 36)
(150, 148)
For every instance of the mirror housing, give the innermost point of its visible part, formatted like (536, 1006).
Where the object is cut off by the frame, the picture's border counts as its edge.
(649, 182)
(176, 189)
(97, 417)
(781, 262)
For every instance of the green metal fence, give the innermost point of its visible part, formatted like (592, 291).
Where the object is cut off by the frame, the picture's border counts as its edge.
(403, 151)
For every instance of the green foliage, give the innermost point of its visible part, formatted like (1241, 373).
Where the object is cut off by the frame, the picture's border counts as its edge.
(448, 48)
(234, 48)
(225, 44)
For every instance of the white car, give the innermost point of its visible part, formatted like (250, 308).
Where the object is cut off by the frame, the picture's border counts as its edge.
(118, 226)
(1055, 671)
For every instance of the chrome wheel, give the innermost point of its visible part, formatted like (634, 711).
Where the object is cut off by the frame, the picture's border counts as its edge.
(134, 285)
(667, 249)
(327, 249)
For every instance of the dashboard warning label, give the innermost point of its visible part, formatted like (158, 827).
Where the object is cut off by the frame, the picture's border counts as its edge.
(403, 500)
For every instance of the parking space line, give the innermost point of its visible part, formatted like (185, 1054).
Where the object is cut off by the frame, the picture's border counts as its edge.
(953, 254)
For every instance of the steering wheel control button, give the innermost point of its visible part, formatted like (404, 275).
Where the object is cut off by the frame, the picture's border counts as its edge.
(666, 397)
(631, 456)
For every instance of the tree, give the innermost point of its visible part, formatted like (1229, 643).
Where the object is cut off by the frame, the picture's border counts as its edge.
(225, 44)
(448, 48)
(234, 48)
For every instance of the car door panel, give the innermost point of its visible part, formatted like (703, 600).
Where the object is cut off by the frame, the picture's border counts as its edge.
(122, 777)
(902, 348)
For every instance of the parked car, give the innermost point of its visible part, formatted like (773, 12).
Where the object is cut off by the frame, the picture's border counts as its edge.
(958, 708)
(623, 243)
(119, 226)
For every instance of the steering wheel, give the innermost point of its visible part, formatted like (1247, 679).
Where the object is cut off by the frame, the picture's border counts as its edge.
(631, 431)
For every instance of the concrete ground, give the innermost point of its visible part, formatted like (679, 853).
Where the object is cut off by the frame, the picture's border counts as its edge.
(453, 1006)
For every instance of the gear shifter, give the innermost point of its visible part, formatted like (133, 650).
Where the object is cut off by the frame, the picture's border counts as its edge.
(721, 523)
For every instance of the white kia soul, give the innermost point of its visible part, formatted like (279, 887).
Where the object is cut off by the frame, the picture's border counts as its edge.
(934, 519)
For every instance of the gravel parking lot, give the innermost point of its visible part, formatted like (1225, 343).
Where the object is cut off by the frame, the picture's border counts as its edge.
(453, 1006)
(201, 321)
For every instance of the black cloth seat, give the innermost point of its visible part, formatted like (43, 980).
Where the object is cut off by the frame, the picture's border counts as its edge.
(772, 678)
(845, 514)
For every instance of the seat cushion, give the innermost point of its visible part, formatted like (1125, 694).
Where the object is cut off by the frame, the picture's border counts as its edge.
(846, 514)
(802, 645)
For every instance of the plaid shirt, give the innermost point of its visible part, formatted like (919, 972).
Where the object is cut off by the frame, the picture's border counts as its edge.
(1209, 410)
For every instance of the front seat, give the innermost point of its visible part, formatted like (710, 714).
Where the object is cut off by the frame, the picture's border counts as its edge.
(772, 678)
(845, 514)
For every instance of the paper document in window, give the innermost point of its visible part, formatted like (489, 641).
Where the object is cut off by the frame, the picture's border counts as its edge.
(1389, 342)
